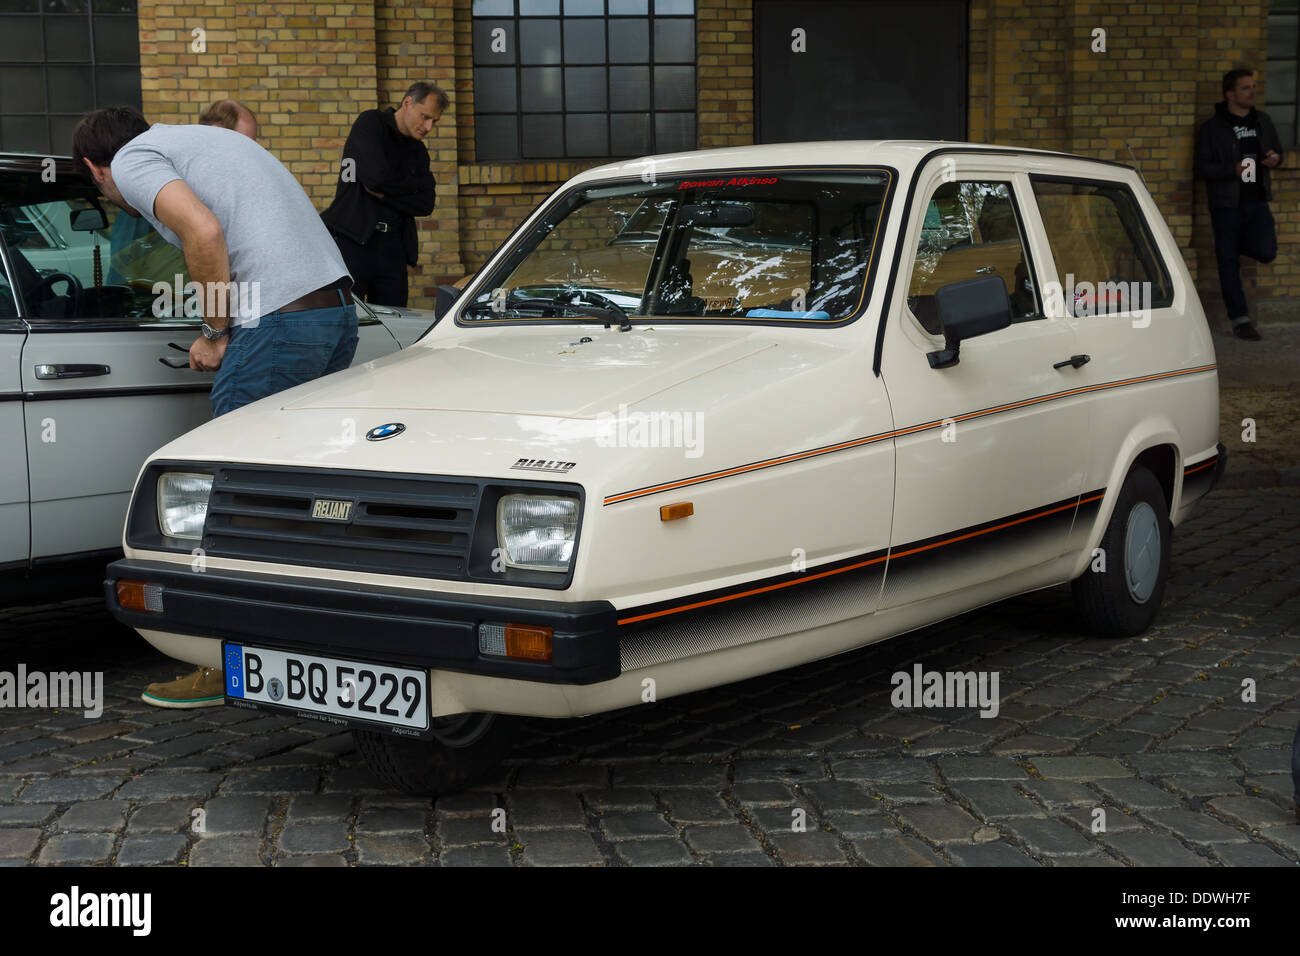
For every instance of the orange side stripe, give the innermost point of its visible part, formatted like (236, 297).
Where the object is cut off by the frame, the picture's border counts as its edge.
(741, 594)
(741, 469)
(1006, 524)
(849, 567)
(1192, 471)
(798, 456)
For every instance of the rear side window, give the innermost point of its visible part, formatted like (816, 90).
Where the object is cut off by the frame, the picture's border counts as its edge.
(1106, 258)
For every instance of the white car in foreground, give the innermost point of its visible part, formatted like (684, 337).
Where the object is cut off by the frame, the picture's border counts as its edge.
(702, 417)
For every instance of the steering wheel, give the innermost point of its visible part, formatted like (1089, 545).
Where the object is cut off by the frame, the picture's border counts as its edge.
(595, 298)
(45, 288)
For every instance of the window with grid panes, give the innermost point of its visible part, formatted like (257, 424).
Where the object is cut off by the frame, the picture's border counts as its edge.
(59, 59)
(1283, 52)
(560, 79)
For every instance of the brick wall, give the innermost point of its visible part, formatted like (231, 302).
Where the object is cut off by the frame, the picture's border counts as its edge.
(417, 41)
(1035, 80)
(305, 69)
(724, 74)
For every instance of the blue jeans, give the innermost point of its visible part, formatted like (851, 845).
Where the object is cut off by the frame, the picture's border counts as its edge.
(1244, 230)
(283, 350)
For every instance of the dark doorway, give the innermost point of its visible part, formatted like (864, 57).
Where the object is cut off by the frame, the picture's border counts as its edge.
(874, 69)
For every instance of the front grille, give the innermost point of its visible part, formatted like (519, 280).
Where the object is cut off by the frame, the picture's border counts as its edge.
(396, 524)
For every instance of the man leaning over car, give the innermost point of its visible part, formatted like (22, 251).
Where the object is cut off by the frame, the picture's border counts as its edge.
(238, 216)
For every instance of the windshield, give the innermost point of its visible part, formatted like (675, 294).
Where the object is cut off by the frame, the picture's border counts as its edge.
(759, 246)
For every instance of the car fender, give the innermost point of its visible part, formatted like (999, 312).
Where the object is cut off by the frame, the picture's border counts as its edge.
(1152, 431)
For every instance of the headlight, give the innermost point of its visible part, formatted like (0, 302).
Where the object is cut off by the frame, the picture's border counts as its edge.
(537, 531)
(183, 504)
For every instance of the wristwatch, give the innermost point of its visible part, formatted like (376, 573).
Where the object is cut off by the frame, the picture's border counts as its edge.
(212, 334)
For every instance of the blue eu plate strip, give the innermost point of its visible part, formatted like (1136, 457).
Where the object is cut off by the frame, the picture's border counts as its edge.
(234, 670)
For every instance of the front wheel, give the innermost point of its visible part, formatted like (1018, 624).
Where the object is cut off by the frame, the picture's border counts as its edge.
(1120, 593)
(465, 748)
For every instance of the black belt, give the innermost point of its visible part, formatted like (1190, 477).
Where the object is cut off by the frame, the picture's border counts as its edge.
(323, 298)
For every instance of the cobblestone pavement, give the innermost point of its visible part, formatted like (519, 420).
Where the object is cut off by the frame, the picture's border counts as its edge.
(1152, 731)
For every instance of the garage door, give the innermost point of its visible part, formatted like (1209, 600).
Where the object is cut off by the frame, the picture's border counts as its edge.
(868, 70)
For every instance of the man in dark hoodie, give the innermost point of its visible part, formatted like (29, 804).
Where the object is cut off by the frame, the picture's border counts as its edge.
(1235, 149)
(384, 183)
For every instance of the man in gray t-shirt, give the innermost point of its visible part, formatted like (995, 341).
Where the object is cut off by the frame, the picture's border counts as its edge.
(253, 242)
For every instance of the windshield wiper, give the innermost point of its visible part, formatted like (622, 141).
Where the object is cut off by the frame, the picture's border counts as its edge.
(605, 309)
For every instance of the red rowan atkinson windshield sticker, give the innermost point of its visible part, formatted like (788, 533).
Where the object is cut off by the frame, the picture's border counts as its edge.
(734, 181)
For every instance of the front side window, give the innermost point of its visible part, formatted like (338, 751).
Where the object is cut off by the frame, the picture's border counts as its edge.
(768, 246)
(1106, 259)
(970, 229)
(108, 272)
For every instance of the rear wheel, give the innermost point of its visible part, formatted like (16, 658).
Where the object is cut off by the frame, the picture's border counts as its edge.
(465, 748)
(1124, 598)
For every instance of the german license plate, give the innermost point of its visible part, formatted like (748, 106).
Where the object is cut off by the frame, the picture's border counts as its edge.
(352, 693)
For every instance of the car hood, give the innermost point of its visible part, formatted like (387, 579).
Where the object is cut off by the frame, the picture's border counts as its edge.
(556, 371)
(523, 402)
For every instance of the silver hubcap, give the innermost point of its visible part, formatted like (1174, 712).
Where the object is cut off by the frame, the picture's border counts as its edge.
(1142, 552)
(461, 730)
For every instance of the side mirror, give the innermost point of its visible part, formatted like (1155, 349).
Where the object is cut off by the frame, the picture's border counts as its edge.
(444, 300)
(966, 309)
(88, 220)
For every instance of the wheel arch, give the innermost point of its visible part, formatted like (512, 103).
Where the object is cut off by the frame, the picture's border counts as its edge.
(1154, 447)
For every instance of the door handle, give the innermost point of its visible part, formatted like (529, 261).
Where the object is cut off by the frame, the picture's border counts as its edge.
(47, 372)
(986, 270)
(1078, 361)
(178, 348)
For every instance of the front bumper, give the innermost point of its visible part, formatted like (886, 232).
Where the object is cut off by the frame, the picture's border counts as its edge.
(393, 625)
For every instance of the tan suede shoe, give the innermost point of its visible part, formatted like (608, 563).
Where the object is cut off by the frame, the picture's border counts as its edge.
(206, 687)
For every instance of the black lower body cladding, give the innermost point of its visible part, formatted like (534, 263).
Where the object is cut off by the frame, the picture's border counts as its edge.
(395, 625)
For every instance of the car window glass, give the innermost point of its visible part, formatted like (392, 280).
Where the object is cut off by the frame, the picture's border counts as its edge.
(785, 246)
(106, 273)
(970, 229)
(765, 265)
(605, 246)
(1105, 256)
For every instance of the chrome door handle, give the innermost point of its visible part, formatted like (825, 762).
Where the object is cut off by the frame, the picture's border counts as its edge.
(47, 372)
(986, 270)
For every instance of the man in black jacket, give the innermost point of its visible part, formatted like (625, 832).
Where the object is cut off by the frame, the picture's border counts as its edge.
(1235, 149)
(384, 183)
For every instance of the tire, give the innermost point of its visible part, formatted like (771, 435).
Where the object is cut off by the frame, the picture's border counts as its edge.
(465, 748)
(1124, 599)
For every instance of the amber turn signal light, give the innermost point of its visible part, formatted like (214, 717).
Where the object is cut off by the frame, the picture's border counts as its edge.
(683, 509)
(140, 596)
(528, 642)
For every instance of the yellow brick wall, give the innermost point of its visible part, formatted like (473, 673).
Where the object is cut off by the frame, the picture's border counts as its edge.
(1035, 80)
(417, 41)
(305, 69)
(724, 74)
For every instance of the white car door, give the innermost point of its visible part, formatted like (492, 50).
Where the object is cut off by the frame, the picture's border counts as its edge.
(990, 451)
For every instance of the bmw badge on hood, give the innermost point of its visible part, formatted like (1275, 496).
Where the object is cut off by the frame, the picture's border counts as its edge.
(380, 432)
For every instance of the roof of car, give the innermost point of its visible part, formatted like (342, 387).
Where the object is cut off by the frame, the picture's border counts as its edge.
(18, 169)
(902, 153)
